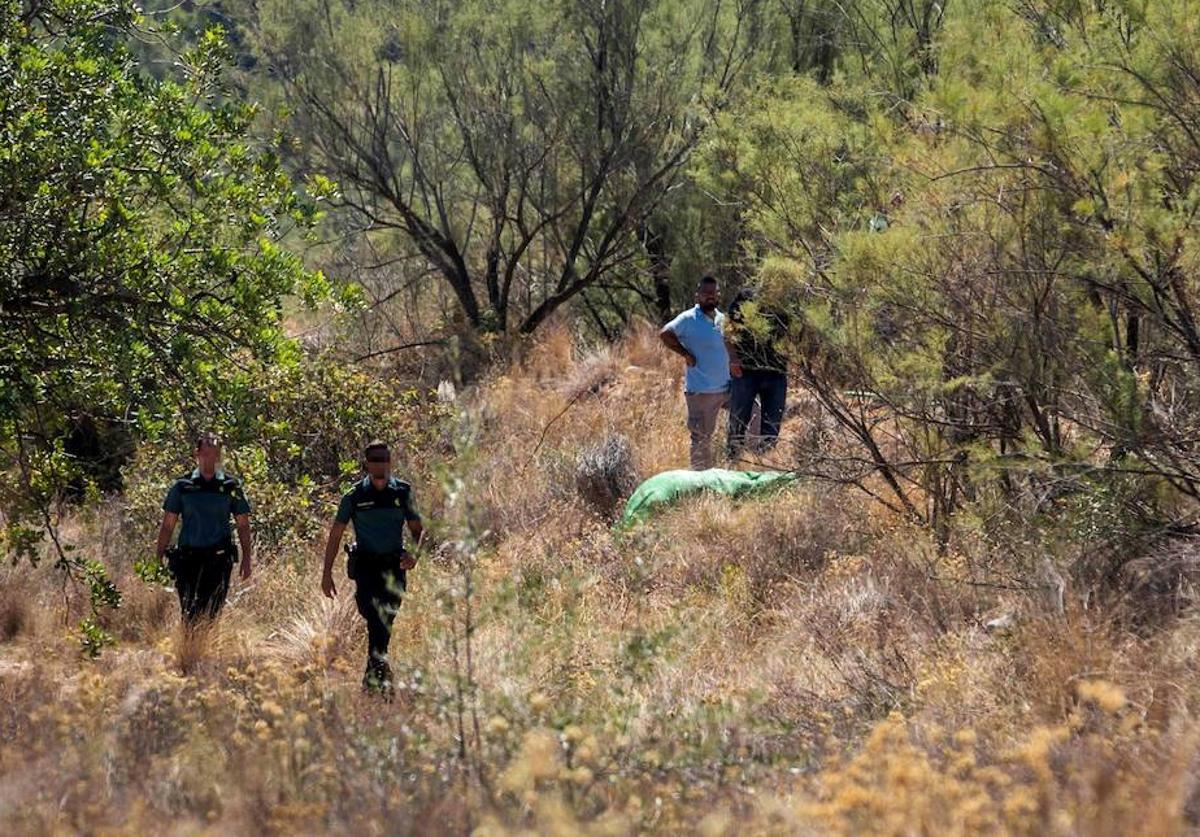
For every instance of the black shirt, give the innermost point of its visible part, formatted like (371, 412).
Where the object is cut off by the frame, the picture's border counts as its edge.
(758, 333)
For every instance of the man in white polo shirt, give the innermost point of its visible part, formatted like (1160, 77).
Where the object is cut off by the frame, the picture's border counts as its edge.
(696, 335)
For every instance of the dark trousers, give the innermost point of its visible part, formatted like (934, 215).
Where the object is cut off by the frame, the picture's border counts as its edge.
(770, 390)
(379, 582)
(202, 580)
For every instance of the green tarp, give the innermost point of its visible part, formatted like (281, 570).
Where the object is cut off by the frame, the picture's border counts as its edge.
(667, 487)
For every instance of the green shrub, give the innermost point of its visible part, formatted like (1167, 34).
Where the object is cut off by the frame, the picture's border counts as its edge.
(294, 436)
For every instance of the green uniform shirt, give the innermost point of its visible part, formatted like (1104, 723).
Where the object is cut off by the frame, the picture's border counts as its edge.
(206, 507)
(379, 515)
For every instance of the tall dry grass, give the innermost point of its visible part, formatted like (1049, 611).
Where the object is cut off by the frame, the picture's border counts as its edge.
(801, 663)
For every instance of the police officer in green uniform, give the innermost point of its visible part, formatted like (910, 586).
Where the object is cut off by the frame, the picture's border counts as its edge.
(380, 505)
(203, 559)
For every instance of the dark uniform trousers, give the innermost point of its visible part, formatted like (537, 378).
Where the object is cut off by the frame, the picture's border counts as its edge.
(379, 583)
(770, 389)
(202, 579)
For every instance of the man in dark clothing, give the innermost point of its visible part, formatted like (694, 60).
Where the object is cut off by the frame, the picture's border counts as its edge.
(379, 505)
(203, 559)
(759, 370)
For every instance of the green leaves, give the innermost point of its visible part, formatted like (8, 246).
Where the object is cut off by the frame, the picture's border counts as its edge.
(140, 213)
(93, 638)
(102, 592)
(516, 148)
(140, 263)
(152, 571)
(1002, 263)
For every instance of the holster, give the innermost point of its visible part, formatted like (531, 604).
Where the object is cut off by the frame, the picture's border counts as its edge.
(358, 558)
(178, 556)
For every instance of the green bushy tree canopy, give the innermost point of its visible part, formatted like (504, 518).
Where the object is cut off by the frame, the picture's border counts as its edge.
(141, 271)
(992, 252)
(512, 151)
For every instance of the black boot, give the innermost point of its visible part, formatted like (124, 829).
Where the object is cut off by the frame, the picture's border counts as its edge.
(378, 677)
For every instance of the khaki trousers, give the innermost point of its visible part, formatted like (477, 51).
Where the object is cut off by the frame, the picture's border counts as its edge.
(703, 410)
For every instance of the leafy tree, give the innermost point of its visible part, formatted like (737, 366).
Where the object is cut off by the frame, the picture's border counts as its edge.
(295, 433)
(995, 283)
(140, 263)
(518, 148)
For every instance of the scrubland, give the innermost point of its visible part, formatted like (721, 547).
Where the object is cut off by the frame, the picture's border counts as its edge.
(806, 662)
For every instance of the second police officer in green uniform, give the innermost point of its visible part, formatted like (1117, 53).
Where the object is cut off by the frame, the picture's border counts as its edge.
(379, 505)
(203, 559)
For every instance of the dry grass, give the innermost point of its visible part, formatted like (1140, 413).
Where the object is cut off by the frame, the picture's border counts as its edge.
(15, 607)
(605, 475)
(790, 664)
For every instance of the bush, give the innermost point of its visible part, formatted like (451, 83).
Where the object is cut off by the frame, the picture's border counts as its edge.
(294, 436)
(605, 473)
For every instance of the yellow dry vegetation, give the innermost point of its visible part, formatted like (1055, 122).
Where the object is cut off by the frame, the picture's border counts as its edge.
(796, 664)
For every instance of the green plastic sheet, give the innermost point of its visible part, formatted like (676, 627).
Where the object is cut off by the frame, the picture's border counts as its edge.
(668, 487)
